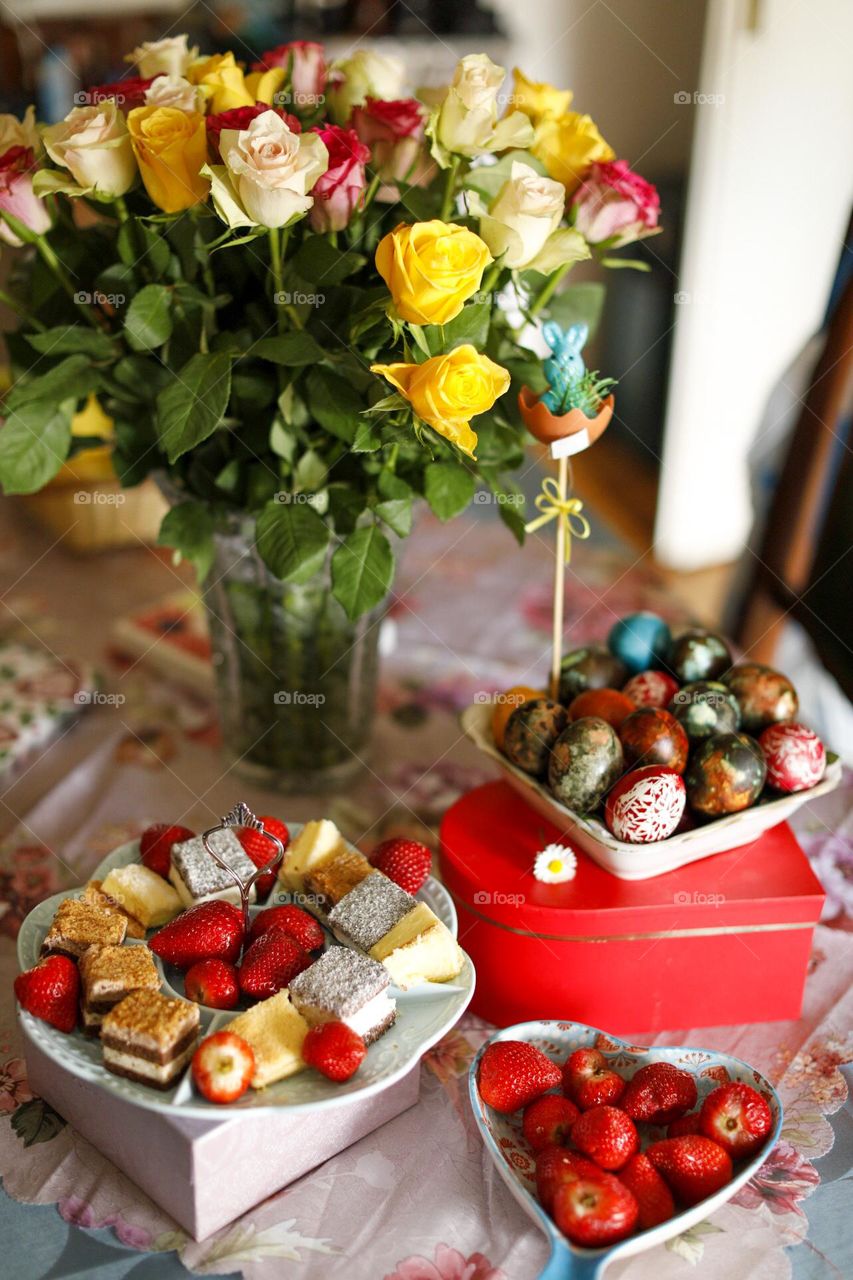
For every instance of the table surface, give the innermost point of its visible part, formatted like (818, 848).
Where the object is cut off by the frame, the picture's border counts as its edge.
(156, 755)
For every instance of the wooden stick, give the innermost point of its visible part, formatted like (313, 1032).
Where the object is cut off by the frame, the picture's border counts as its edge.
(559, 583)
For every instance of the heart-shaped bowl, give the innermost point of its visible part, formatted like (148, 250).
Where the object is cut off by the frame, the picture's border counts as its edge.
(516, 1163)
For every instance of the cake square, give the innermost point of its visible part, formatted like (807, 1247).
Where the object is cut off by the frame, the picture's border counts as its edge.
(143, 894)
(149, 1037)
(345, 986)
(419, 949)
(314, 845)
(95, 896)
(196, 876)
(334, 879)
(108, 974)
(78, 925)
(275, 1030)
(369, 911)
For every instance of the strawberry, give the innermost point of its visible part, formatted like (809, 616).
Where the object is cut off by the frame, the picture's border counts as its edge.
(261, 850)
(556, 1165)
(589, 1081)
(335, 1050)
(684, 1125)
(737, 1117)
(406, 862)
(693, 1166)
(513, 1073)
(649, 1190)
(50, 991)
(293, 921)
(223, 1066)
(659, 1093)
(548, 1120)
(212, 982)
(209, 931)
(595, 1209)
(607, 1136)
(155, 846)
(270, 964)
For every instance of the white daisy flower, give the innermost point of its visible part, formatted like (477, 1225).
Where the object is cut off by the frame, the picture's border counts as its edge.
(555, 864)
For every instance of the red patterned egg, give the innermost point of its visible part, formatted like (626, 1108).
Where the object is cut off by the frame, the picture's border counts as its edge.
(646, 805)
(651, 689)
(796, 757)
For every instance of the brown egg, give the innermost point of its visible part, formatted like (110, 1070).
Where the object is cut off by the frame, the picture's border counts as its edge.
(653, 736)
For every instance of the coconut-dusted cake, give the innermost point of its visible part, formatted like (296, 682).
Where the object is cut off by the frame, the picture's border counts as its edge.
(149, 1037)
(197, 878)
(345, 986)
(79, 925)
(369, 911)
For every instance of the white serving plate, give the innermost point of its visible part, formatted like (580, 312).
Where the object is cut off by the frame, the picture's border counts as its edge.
(424, 1014)
(642, 861)
(515, 1162)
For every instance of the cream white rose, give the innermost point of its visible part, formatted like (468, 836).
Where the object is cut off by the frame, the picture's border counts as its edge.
(19, 133)
(94, 144)
(466, 123)
(526, 211)
(168, 57)
(363, 75)
(174, 91)
(272, 169)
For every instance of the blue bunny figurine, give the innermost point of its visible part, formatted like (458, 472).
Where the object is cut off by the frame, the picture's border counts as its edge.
(564, 368)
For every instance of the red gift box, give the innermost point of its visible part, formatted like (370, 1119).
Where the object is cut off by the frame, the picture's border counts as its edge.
(725, 940)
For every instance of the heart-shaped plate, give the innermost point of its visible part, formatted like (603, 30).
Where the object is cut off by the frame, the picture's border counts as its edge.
(516, 1164)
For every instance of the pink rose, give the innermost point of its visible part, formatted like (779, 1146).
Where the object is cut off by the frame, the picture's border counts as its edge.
(394, 131)
(17, 196)
(615, 204)
(308, 71)
(340, 189)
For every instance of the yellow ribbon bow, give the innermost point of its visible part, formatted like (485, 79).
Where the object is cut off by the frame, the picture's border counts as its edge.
(554, 506)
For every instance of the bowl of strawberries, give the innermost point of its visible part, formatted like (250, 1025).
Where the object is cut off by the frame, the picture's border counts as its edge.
(610, 1147)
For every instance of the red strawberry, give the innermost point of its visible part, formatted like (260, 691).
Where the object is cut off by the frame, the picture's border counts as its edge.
(293, 921)
(209, 931)
(590, 1081)
(271, 963)
(212, 982)
(556, 1165)
(334, 1049)
(684, 1125)
(659, 1093)
(548, 1120)
(736, 1116)
(607, 1136)
(261, 850)
(155, 846)
(50, 991)
(223, 1066)
(649, 1190)
(406, 862)
(693, 1166)
(513, 1073)
(595, 1210)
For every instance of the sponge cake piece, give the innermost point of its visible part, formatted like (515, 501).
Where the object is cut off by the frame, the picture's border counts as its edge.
(275, 1032)
(419, 948)
(142, 894)
(316, 843)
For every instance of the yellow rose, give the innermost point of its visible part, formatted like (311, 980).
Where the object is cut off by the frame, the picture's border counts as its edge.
(568, 146)
(222, 82)
(447, 391)
(170, 147)
(431, 269)
(536, 98)
(264, 85)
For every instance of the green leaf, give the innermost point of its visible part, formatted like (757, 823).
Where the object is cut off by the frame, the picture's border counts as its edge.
(34, 444)
(292, 540)
(282, 441)
(334, 403)
(448, 488)
(395, 509)
(289, 349)
(488, 179)
(140, 246)
(193, 405)
(148, 321)
(362, 570)
(72, 379)
(36, 1121)
(141, 377)
(68, 339)
(310, 472)
(320, 262)
(471, 325)
(188, 528)
(579, 304)
(367, 438)
(345, 506)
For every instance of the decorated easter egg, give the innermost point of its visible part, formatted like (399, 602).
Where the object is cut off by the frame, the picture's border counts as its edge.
(646, 805)
(698, 655)
(725, 774)
(764, 696)
(506, 703)
(651, 689)
(795, 757)
(607, 704)
(531, 731)
(651, 736)
(640, 640)
(592, 667)
(706, 707)
(585, 762)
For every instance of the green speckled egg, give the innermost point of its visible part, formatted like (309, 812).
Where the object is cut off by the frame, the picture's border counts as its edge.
(725, 775)
(585, 762)
(764, 696)
(592, 667)
(531, 732)
(698, 655)
(705, 707)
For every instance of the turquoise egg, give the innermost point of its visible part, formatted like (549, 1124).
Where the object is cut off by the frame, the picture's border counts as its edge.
(640, 640)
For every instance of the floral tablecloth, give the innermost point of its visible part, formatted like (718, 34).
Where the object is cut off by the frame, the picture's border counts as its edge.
(417, 1200)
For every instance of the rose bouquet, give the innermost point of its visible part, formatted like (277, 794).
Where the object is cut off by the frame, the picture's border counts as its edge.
(302, 299)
